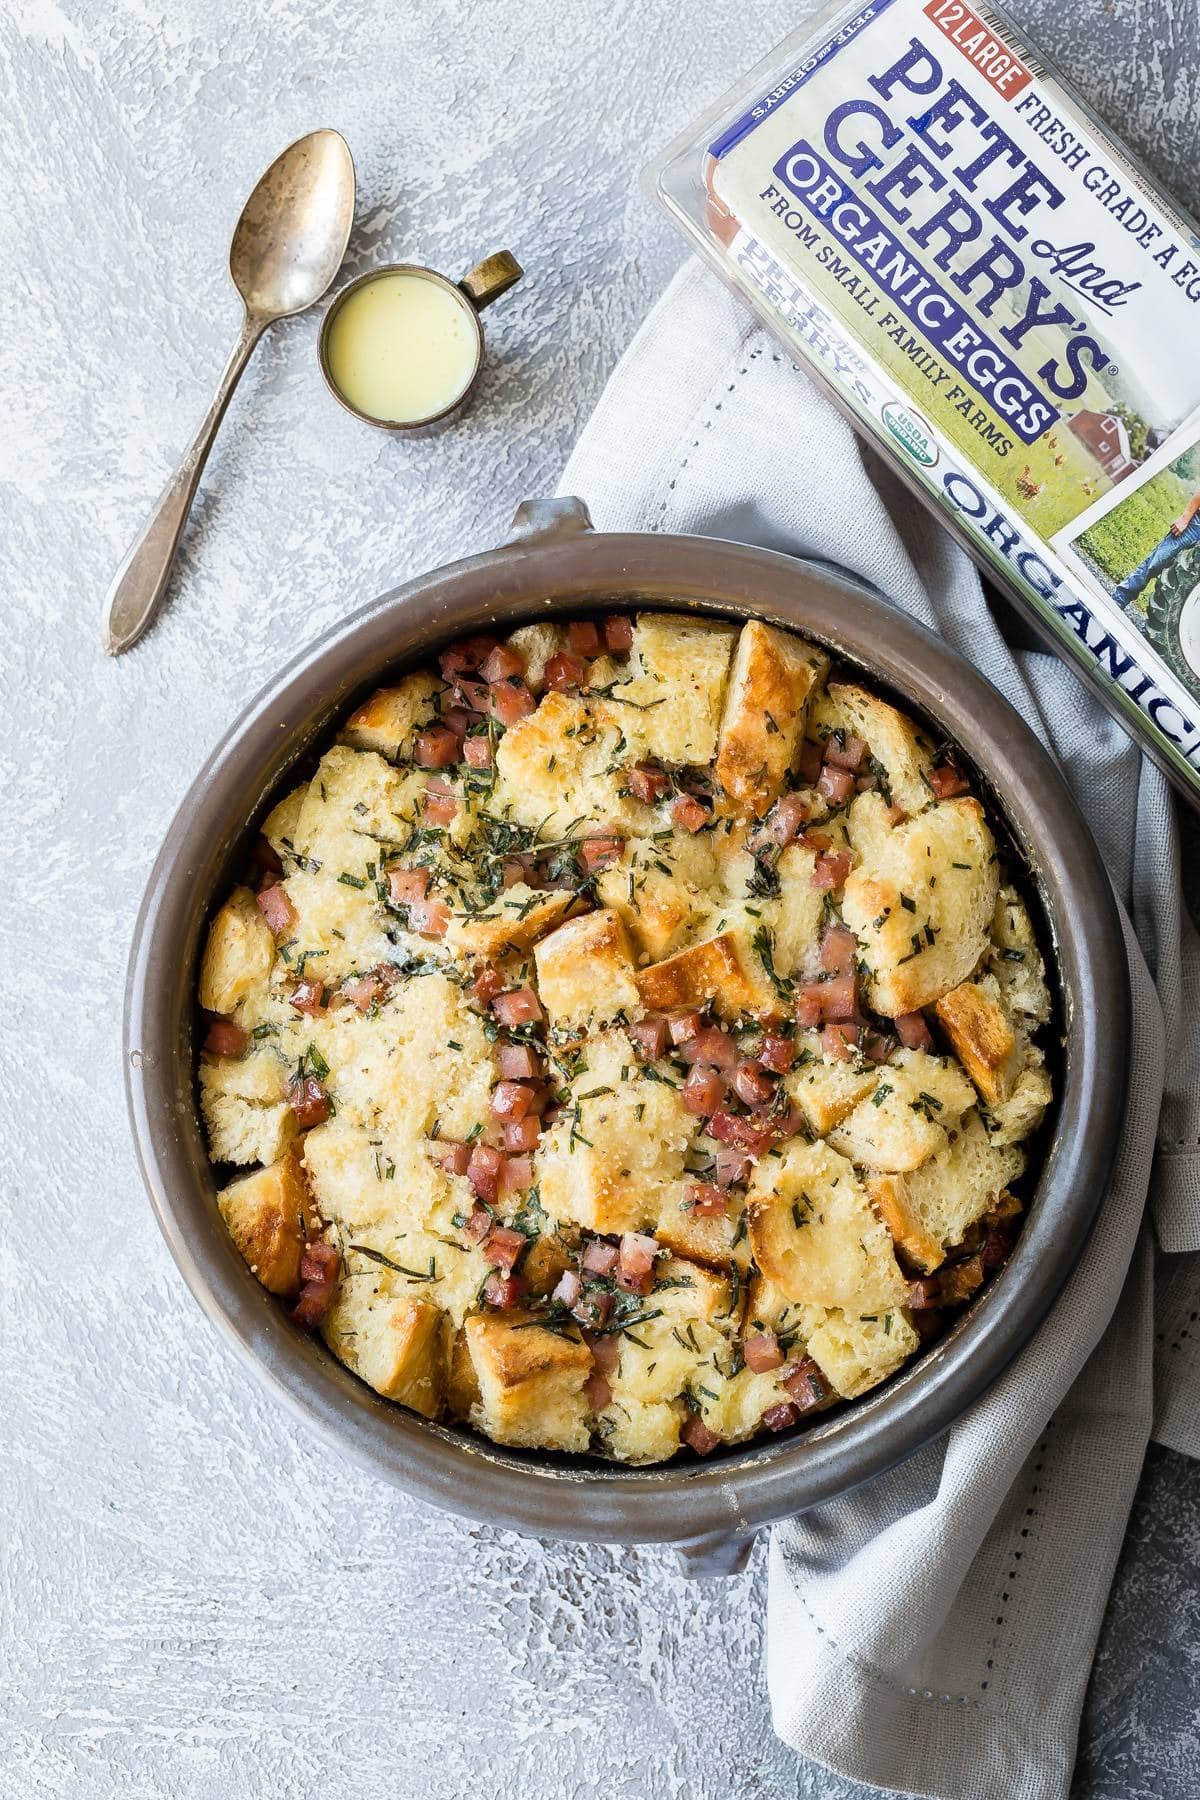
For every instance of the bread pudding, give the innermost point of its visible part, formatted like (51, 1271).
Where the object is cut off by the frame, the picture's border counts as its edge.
(625, 1041)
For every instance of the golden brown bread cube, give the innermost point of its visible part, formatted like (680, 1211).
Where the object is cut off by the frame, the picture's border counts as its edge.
(888, 1194)
(269, 1215)
(982, 1038)
(531, 1382)
(560, 770)
(238, 954)
(675, 692)
(245, 1107)
(614, 1158)
(585, 972)
(661, 886)
(397, 1345)
(922, 910)
(855, 1353)
(962, 1182)
(391, 718)
(916, 1101)
(814, 1234)
(766, 705)
(826, 1089)
(515, 921)
(716, 970)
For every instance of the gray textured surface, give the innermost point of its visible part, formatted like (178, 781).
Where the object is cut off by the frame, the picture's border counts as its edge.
(195, 1599)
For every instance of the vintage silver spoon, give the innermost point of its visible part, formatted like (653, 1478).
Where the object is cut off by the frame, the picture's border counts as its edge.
(286, 250)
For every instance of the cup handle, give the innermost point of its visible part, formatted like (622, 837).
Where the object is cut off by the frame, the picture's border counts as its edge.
(491, 278)
(715, 1555)
(546, 521)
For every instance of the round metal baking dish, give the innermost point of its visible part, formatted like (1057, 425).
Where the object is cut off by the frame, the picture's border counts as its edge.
(555, 564)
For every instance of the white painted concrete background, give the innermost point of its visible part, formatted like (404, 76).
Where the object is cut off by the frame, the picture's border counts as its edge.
(195, 1598)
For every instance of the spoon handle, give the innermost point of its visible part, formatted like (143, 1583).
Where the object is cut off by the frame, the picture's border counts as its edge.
(141, 581)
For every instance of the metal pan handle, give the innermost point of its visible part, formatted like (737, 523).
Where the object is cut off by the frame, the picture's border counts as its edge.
(548, 521)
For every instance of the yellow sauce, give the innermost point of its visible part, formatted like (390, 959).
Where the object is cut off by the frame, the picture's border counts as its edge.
(402, 348)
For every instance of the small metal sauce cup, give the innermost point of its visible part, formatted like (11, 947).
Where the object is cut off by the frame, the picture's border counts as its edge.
(477, 289)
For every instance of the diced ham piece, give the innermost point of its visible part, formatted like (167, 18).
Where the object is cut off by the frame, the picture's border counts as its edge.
(761, 1351)
(731, 1165)
(845, 755)
(876, 1046)
(473, 694)
(865, 784)
(516, 870)
(728, 1128)
(277, 909)
(600, 1258)
(483, 1170)
(518, 1062)
(650, 1036)
(516, 1175)
(808, 763)
(648, 783)
(696, 1435)
(407, 885)
(618, 633)
(452, 1157)
(913, 1032)
(786, 819)
(519, 1006)
(567, 1288)
(598, 852)
(439, 802)
(364, 991)
(477, 751)
(839, 997)
(502, 1291)
(583, 638)
(710, 1047)
(265, 857)
(429, 918)
(564, 672)
(948, 782)
(502, 662)
(778, 1418)
(308, 1101)
(606, 1352)
(839, 949)
(593, 1307)
(503, 1247)
(458, 720)
(704, 1198)
(837, 785)
(683, 1026)
(224, 1038)
(703, 1092)
(807, 1004)
(511, 700)
(777, 1054)
(805, 1383)
(896, 813)
(597, 1392)
(486, 985)
(435, 748)
(838, 1041)
(635, 1261)
(510, 1099)
(831, 870)
(479, 1224)
(687, 812)
(467, 654)
(308, 997)
(521, 1135)
(319, 1272)
(752, 1085)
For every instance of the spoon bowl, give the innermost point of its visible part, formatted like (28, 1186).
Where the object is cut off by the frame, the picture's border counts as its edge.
(287, 247)
(291, 238)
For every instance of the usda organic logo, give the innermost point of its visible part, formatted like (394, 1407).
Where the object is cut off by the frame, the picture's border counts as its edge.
(911, 433)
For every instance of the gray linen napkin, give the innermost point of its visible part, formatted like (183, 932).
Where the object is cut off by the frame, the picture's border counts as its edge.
(933, 1631)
